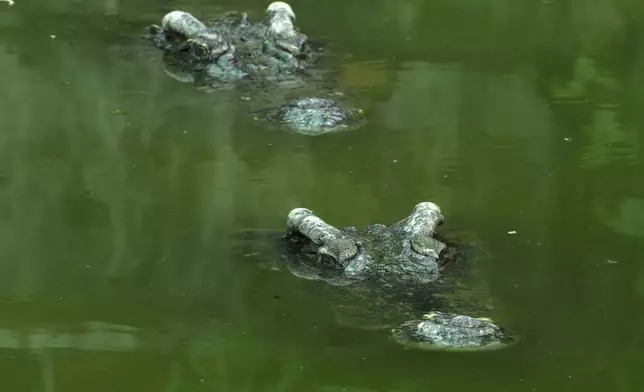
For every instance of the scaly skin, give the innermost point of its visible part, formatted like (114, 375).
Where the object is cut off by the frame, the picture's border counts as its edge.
(388, 251)
(239, 48)
(313, 116)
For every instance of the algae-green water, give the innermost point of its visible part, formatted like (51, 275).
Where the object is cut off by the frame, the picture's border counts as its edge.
(120, 186)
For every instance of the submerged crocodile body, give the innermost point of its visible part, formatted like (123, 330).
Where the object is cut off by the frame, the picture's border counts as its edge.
(392, 277)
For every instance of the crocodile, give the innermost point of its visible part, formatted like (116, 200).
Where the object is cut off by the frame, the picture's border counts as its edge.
(233, 50)
(392, 277)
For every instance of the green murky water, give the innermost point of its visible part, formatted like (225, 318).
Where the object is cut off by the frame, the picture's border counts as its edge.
(118, 186)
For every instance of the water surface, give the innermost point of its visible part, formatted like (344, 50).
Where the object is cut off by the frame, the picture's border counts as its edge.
(119, 187)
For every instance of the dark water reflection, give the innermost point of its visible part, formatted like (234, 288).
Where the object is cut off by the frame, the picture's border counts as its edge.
(118, 186)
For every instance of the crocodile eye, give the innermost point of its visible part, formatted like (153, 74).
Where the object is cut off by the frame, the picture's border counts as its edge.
(199, 50)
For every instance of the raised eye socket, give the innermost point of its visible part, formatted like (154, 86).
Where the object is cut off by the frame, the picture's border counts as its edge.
(200, 50)
(330, 261)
